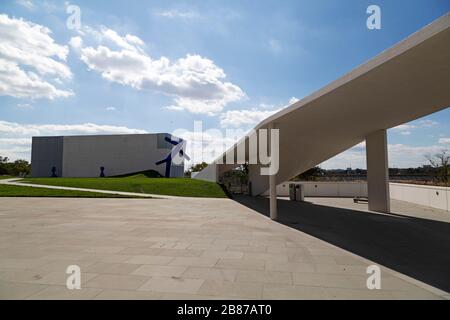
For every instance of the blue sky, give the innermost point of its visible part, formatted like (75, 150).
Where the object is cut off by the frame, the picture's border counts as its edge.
(157, 66)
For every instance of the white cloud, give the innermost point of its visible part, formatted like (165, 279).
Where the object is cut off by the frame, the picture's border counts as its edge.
(24, 106)
(128, 42)
(248, 118)
(173, 13)
(244, 118)
(15, 138)
(400, 156)
(76, 42)
(26, 4)
(428, 123)
(208, 145)
(195, 83)
(444, 140)
(15, 141)
(404, 127)
(24, 46)
(353, 158)
(404, 156)
(61, 129)
(293, 100)
(17, 83)
(110, 109)
(275, 46)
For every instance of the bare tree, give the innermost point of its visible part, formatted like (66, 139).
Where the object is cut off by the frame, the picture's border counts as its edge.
(440, 162)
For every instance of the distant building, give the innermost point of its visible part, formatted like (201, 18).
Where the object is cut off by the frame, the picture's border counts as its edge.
(108, 155)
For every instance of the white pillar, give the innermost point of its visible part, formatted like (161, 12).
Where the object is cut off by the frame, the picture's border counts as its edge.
(273, 197)
(272, 182)
(378, 172)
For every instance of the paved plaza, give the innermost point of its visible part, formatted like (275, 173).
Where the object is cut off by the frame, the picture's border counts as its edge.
(202, 249)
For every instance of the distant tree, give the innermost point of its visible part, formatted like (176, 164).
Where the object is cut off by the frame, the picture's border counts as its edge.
(245, 168)
(309, 175)
(196, 168)
(16, 168)
(199, 167)
(20, 167)
(440, 162)
(3, 165)
(240, 173)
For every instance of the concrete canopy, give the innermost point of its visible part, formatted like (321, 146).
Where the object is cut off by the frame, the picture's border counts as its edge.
(406, 82)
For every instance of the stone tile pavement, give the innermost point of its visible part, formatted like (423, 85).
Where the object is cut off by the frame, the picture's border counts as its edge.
(175, 249)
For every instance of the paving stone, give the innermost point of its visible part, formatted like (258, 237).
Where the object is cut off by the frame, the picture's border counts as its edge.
(62, 293)
(158, 260)
(160, 271)
(210, 273)
(126, 282)
(290, 292)
(328, 281)
(213, 248)
(194, 262)
(103, 249)
(222, 254)
(247, 264)
(290, 266)
(180, 252)
(111, 268)
(264, 277)
(59, 278)
(109, 294)
(15, 290)
(174, 285)
(245, 290)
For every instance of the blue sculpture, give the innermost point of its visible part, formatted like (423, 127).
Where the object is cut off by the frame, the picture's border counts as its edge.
(177, 151)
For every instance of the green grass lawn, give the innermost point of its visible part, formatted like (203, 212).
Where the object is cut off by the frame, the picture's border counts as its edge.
(184, 187)
(19, 191)
(5, 177)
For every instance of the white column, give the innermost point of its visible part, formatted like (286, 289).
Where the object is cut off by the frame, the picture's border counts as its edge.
(378, 171)
(273, 197)
(272, 182)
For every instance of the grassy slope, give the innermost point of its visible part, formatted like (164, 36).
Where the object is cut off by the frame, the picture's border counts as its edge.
(19, 191)
(6, 177)
(140, 184)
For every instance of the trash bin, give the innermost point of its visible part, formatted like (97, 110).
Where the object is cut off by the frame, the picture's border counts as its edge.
(300, 193)
(296, 192)
(292, 191)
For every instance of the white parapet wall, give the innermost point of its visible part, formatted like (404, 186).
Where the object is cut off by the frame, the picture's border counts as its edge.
(430, 196)
(326, 189)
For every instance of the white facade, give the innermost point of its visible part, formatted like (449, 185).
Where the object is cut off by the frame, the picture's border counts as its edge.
(428, 196)
(401, 84)
(83, 156)
(326, 189)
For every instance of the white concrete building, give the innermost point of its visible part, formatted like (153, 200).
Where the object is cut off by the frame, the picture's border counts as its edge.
(404, 83)
(85, 156)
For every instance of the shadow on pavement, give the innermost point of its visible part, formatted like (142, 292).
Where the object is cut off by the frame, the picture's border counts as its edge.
(416, 247)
